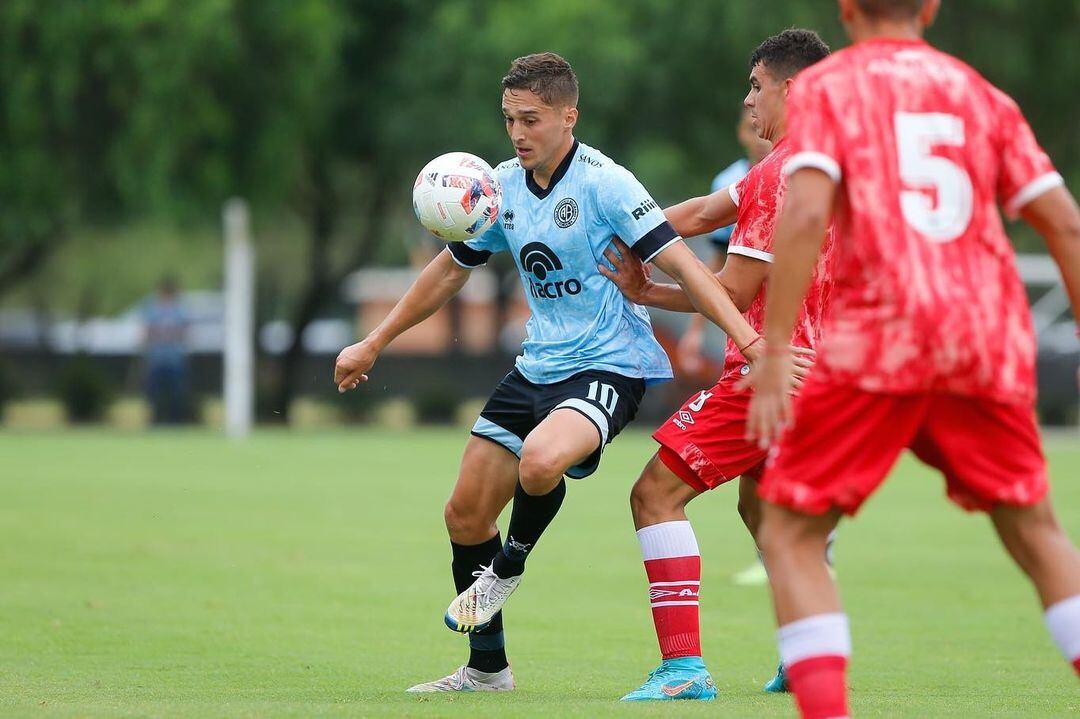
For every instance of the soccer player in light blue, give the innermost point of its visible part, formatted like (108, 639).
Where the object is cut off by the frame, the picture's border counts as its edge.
(585, 364)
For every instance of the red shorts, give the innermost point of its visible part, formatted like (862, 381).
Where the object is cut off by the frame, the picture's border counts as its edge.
(704, 442)
(844, 441)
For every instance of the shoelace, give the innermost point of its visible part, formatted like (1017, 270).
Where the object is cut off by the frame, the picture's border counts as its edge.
(457, 679)
(496, 590)
(656, 676)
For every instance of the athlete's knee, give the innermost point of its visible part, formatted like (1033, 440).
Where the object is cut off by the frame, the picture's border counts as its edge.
(641, 499)
(782, 533)
(540, 469)
(464, 524)
(750, 511)
(658, 496)
(1028, 533)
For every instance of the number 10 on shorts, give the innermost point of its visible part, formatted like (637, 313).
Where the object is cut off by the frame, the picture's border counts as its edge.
(605, 395)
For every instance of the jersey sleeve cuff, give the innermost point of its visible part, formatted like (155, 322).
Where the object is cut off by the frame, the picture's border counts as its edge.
(655, 241)
(733, 193)
(815, 160)
(1032, 190)
(750, 252)
(466, 256)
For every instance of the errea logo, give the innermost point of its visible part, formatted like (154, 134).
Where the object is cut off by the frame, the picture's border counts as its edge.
(643, 209)
(508, 219)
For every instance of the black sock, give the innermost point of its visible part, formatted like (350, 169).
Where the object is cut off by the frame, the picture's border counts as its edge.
(528, 520)
(487, 648)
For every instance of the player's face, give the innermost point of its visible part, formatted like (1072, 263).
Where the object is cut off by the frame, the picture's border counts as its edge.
(756, 148)
(538, 131)
(767, 103)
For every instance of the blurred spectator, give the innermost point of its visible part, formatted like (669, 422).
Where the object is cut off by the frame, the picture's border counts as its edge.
(690, 356)
(167, 372)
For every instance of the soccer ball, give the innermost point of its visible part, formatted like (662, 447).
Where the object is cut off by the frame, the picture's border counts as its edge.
(456, 196)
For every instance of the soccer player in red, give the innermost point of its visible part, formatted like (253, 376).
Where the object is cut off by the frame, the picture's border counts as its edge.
(703, 445)
(928, 343)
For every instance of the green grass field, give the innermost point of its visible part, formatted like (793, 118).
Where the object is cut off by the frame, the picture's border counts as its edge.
(306, 575)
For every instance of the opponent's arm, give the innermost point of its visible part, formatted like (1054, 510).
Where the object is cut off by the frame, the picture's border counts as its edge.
(1055, 216)
(689, 351)
(437, 283)
(741, 277)
(708, 295)
(699, 215)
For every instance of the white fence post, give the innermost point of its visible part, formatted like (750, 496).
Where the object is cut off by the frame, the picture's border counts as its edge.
(239, 380)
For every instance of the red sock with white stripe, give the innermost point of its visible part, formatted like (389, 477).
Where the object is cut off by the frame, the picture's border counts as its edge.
(673, 564)
(1063, 621)
(815, 652)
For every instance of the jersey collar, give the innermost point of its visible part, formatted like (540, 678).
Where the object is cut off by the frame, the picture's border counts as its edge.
(541, 192)
(893, 41)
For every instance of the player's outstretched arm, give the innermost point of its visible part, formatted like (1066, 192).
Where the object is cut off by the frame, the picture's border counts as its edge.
(437, 283)
(1055, 215)
(631, 276)
(690, 355)
(741, 277)
(707, 294)
(699, 215)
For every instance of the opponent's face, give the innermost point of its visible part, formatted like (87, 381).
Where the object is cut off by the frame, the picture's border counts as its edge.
(538, 130)
(767, 103)
(756, 148)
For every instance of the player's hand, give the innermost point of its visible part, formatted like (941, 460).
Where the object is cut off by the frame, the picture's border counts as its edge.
(802, 361)
(352, 365)
(630, 275)
(770, 406)
(691, 360)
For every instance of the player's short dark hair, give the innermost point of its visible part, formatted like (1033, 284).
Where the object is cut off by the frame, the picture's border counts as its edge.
(546, 74)
(790, 52)
(891, 9)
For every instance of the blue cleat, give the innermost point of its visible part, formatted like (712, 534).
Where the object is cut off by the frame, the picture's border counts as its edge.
(778, 684)
(681, 678)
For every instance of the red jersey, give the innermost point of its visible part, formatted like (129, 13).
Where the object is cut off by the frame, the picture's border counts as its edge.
(759, 197)
(926, 296)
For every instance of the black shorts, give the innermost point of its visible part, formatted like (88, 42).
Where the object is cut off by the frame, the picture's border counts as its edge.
(517, 406)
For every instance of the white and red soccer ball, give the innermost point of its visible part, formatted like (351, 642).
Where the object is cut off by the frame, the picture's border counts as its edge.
(456, 196)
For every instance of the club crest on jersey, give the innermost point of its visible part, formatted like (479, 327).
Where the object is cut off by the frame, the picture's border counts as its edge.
(540, 260)
(643, 209)
(566, 212)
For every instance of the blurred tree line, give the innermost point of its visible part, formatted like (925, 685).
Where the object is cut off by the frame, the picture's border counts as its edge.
(321, 111)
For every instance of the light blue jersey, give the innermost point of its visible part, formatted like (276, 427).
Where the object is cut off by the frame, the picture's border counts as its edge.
(557, 236)
(728, 176)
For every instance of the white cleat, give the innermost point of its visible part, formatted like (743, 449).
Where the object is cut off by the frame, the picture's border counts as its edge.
(468, 680)
(474, 608)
